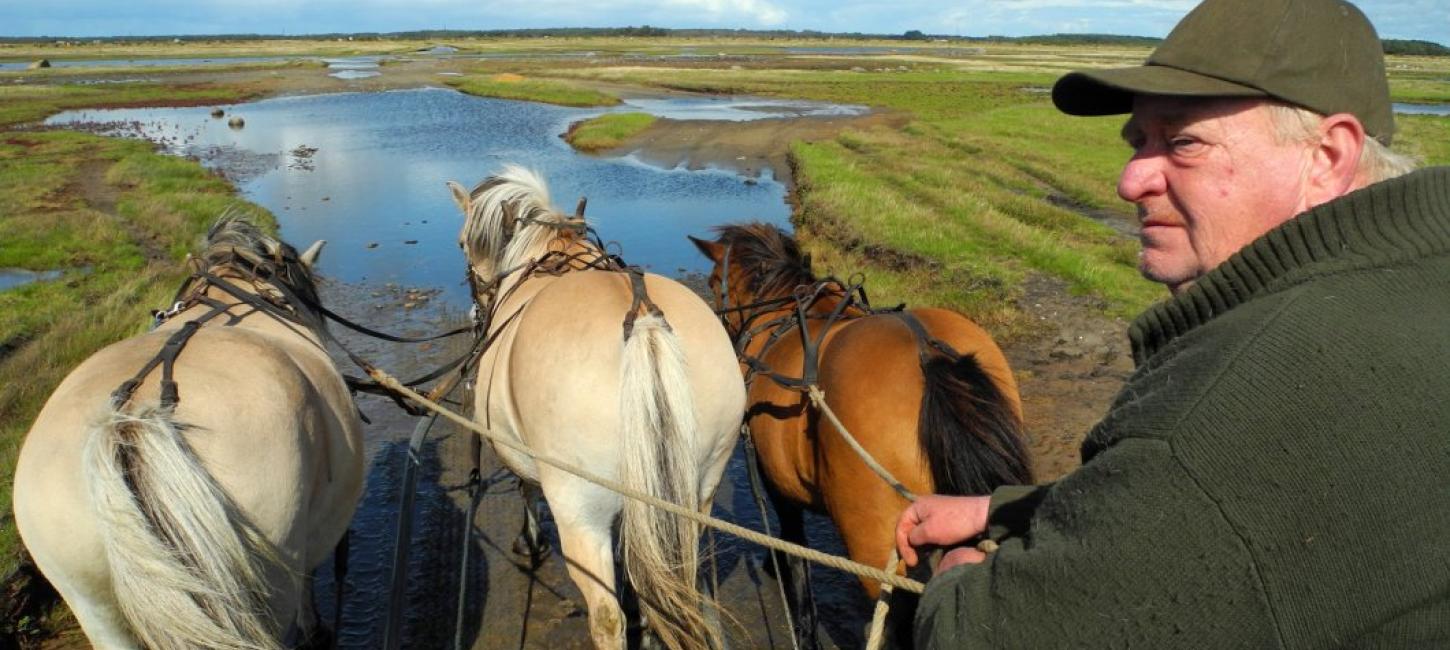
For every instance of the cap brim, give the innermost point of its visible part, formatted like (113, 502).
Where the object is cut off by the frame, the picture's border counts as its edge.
(1110, 92)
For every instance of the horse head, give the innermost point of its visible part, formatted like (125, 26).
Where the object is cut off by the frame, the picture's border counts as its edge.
(236, 247)
(507, 220)
(753, 262)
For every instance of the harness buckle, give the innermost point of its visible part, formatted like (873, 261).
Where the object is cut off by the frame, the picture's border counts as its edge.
(161, 316)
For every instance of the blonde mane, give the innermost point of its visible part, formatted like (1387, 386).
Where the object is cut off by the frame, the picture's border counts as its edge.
(510, 220)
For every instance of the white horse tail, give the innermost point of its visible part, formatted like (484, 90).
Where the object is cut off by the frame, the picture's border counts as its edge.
(187, 570)
(657, 416)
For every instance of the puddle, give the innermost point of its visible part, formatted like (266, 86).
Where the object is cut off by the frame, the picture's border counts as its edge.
(738, 109)
(11, 278)
(360, 67)
(1422, 109)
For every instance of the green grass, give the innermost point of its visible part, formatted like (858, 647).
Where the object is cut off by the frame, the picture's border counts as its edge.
(985, 186)
(29, 103)
(116, 218)
(607, 131)
(533, 90)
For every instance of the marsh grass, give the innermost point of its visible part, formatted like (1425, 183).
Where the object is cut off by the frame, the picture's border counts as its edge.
(548, 91)
(116, 218)
(31, 102)
(607, 131)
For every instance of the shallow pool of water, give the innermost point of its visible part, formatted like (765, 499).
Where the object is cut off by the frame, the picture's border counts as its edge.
(11, 278)
(1422, 109)
(366, 172)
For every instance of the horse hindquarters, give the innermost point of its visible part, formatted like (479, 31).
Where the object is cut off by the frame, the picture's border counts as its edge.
(186, 571)
(658, 436)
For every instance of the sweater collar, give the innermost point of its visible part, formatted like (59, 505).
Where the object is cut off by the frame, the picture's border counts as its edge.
(1389, 221)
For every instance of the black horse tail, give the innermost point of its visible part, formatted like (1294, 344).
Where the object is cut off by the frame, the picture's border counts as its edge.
(970, 435)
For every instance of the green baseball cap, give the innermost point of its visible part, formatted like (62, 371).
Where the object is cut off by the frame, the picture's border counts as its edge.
(1322, 55)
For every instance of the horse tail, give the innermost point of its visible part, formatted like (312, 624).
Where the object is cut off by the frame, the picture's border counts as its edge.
(657, 416)
(186, 569)
(971, 437)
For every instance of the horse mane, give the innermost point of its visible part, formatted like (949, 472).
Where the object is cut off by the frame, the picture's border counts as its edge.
(514, 199)
(771, 260)
(236, 244)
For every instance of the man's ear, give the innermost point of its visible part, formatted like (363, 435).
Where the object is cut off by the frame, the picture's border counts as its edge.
(461, 197)
(1334, 169)
(710, 249)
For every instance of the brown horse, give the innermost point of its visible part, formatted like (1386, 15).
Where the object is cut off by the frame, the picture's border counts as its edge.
(925, 391)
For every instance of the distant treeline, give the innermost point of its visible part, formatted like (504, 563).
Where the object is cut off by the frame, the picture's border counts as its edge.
(1391, 46)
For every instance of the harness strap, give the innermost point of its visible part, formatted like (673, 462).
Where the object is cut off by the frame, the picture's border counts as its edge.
(640, 300)
(166, 358)
(925, 342)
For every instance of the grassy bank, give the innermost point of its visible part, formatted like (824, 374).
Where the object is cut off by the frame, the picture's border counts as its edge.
(607, 131)
(548, 91)
(116, 218)
(987, 190)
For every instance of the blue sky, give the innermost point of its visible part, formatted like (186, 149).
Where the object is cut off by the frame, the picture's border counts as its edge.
(1417, 19)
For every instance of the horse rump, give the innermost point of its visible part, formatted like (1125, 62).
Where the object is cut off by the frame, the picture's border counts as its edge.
(186, 568)
(972, 439)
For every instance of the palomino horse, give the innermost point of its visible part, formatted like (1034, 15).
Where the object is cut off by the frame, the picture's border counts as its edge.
(926, 392)
(186, 508)
(655, 404)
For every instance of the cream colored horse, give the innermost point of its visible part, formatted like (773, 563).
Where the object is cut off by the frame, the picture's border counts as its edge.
(196, 526)
(656, 405)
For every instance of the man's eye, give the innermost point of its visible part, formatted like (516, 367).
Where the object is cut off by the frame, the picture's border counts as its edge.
(1183, 144)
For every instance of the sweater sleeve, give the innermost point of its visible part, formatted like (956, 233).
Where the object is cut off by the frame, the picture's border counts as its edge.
(1124, 552)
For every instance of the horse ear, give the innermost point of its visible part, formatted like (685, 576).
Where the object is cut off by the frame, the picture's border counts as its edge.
(460, 196)
(710, 249)
(309, 257)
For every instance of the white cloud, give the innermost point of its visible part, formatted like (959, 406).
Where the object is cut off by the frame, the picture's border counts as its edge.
(760, 12)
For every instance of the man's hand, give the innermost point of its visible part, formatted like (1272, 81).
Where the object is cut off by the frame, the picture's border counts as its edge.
(935, 520)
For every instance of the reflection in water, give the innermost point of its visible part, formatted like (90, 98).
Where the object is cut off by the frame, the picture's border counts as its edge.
(376, 179)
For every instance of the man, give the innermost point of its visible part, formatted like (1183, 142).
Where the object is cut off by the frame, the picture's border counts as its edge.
(1276, 473)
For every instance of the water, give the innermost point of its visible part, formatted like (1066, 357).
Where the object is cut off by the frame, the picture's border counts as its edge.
(11, 278)
(358, 67)
(738, 109)
(1422, 109)
(376, 180)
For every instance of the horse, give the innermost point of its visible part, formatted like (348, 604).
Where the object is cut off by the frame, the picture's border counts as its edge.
(926, 392)
(626, 373)
(185, 506)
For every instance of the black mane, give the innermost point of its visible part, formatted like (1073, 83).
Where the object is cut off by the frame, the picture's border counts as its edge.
(771, 260)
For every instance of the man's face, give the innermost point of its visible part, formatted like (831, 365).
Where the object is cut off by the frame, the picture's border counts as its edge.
(1208, 177)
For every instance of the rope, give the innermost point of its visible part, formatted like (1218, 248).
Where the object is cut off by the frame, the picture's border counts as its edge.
(877, 638)
(842, 564)
(819, 399)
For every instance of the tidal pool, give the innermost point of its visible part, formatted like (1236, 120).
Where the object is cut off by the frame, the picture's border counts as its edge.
(366, 172)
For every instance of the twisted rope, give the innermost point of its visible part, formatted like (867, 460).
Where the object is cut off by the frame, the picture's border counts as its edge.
(842, 564)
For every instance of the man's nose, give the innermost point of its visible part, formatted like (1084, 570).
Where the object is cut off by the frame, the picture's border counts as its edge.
(1142, 177)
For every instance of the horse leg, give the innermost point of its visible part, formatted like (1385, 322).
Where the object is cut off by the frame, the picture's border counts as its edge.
(530, 540)
(796, 573)
(101, 620)
(585, 516)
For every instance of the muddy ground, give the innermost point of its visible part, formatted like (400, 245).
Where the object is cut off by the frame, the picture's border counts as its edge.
(1067, 376)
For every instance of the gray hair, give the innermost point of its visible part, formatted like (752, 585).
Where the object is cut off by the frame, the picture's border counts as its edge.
(1376, 161)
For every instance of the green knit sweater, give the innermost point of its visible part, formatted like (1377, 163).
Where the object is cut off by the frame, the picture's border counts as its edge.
(1275, 474)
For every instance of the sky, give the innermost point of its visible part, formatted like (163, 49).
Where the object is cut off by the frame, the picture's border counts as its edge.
(1410, 19)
